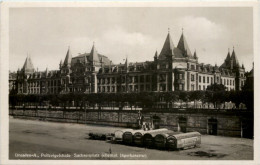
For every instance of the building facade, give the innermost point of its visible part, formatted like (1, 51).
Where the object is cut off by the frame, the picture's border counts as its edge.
(175, 68)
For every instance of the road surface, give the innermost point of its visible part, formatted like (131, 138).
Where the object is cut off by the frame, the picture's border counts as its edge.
(32, 139)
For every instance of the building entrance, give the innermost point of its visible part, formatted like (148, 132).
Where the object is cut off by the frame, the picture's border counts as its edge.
(212, 126)
(182, 124)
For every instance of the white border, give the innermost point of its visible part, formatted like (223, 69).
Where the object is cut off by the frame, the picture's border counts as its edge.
(4, 70)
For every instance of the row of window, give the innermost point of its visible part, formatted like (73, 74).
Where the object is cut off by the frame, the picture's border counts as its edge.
(37, 90)
(208, 80)
(130, 79)
(131, 88)
(48, 83)
(228, 82)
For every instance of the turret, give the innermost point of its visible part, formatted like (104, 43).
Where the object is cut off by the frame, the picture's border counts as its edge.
(168, 47)
(155, 56)
(183, 46)
(67, 61)
(195, 55)
(60, 64)
(94, 55)
(126, 64)
(28, 66)
(47, 72)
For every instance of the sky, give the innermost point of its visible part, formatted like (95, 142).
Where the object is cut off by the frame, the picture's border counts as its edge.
(136, 33)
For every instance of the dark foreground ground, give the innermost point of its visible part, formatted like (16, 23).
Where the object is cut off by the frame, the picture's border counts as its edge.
(31, 139)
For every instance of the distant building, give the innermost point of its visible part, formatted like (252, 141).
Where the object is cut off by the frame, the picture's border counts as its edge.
(173, 69)
(12, 82)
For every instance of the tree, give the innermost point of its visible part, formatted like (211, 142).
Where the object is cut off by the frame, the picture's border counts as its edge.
(216, 87)
(215, 94)
(184, 96)
(197, 95)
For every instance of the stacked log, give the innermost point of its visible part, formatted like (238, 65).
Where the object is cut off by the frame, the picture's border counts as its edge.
(138, 136)
(148, 138)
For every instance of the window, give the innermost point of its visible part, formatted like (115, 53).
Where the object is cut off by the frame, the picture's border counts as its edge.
(233, 82)
(123, 79)
(199, 78)
(148, 77)
(147, 87)
(130, 79)
(113, 80)
(180, 76)
(204, 87)
(162, 87)
(142, 88)
(142, 78)
(192, 87)
(230, 82)
(113, 89)
(180, 87)
(135, 79)
(162, 78)
(163, 66)
(203, 79)
(192, 67)
(123, 88)
(207, 79)
(211, 80)
(192, 77)
(227, 82)
(130, 88)
(136, 88)
(108, 89)
(224, 81)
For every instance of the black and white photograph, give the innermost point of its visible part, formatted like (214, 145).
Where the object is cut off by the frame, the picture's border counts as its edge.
(129, 81)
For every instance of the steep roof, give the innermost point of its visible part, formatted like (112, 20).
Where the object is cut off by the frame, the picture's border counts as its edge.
(87, 57)
(227, 61)
(94, 54)
(68, 57)
(195, 55)
(183, 46)
(228, 56)
(168, 47)
(156, 54)
(234, 58)
(28, 66)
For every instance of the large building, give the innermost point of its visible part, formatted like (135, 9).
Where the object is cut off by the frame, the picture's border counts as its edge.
(175, 68)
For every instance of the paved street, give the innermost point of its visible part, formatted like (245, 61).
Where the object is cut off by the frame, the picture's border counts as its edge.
(32, 139)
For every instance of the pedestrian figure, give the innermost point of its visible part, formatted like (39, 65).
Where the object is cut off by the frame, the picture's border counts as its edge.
(110, 150)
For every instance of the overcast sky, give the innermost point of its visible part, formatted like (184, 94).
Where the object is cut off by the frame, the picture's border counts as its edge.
(46, 33)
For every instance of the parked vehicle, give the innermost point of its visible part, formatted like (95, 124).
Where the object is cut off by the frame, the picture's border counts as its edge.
(160, 139)
(184, 140)
(119, 134)
(128, 136)
(148, 138)
(138, 136)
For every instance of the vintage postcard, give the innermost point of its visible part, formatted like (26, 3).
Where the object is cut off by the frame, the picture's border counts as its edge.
(95, 82)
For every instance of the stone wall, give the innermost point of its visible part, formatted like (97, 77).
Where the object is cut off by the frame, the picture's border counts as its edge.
(227, 123)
